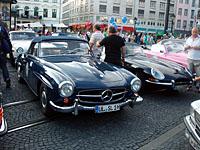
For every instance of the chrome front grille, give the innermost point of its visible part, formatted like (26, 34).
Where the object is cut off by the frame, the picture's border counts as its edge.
(197, 117)
(197, 120)
(95, 95)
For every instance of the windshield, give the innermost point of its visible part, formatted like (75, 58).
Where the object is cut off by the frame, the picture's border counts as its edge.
(22, 36)
(174, 46)
(58, 48)
(132, 48)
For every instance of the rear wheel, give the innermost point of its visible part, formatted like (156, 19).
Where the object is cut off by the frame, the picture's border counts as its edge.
(44, 100)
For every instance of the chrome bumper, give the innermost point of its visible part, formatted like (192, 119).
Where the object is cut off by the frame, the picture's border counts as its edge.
(77, 107)
(172, 83)
(3, 127)
(190, 132)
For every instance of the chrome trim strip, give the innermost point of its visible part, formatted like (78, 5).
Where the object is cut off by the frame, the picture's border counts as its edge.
(120, 93)
(159, 83)
(191, 128)
(93, 96)
(96, 96)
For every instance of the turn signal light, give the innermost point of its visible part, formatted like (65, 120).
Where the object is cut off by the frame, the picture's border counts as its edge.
(66, 101)
(1, 114)
(152, 79)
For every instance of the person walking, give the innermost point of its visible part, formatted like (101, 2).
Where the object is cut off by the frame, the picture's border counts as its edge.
(5, 50)
(96, 36)
(114, 47)
(192, 47)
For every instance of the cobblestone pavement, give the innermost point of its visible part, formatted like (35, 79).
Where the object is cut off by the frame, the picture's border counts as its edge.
(126, 129)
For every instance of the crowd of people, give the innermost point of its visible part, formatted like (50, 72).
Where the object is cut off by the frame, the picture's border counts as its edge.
(112, 39)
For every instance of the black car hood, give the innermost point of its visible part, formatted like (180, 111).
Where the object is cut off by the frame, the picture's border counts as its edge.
(91, 72)
(166, 67)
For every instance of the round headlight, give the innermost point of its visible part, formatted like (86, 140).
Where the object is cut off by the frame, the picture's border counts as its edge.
(66, 88)
(157, 74)
(20, 50)
(136, 85)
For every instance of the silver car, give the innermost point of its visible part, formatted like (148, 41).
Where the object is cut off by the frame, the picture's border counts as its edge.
(21, 41)
(192, 123)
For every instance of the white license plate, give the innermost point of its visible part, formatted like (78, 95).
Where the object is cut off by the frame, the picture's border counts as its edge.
(107, 108)
(194, 144)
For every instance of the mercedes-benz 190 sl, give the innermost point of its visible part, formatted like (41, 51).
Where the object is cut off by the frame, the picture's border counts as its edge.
(60, 71)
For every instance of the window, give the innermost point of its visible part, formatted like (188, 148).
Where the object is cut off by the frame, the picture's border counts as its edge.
(54, 1)
(36, 11)
(36, 0)
(115, 9)
(102, 8)
(193, 3)
(140, 13)
(184, 24)
(180, 11)
(45, 0)
(129, 11)
(186, 1)
(199, 3)
(153, 4)
(162, 6)
(178, 25)
(185, 12)
(26, 11)
(54, 13)
(180, 1)
(161, 15)
(129, 2)
(92, 8)
(192, 14)
(45, 13)
(152, 14)
(191, 24)
(142, 3)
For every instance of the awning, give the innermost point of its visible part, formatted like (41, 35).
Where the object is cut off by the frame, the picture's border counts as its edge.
(60, 25)
(34, 24)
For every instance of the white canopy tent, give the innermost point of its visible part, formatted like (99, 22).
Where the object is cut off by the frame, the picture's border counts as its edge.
(34, 24)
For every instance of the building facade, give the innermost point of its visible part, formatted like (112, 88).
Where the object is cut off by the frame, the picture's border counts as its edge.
(186, 15)
(146, 15)
(47, 12)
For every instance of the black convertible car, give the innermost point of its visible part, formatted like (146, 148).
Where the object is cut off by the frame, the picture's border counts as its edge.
(60, 71)
(153, 72)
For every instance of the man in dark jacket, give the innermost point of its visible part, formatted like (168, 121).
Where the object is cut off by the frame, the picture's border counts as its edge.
(5, 50)
(114, 47)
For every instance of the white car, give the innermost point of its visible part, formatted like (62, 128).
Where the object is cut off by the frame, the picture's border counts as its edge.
(21, 41)
(192, 123)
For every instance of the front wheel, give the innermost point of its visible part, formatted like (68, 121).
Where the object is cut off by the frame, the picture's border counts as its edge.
(44, 100)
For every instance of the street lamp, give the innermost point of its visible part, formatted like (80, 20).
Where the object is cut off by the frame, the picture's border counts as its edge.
(172, 25)
(135, 22)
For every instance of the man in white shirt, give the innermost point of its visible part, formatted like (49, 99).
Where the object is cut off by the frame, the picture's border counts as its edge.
(96, 36)
(192, 47)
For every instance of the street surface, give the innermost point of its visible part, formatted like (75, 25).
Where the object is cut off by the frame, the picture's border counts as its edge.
(155, 124)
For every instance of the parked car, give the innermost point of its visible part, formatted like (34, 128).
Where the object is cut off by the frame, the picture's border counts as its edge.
(67, 79)
(157, 73)
(192, 122)
(21, 41)
(3, 123)
(169, 49)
